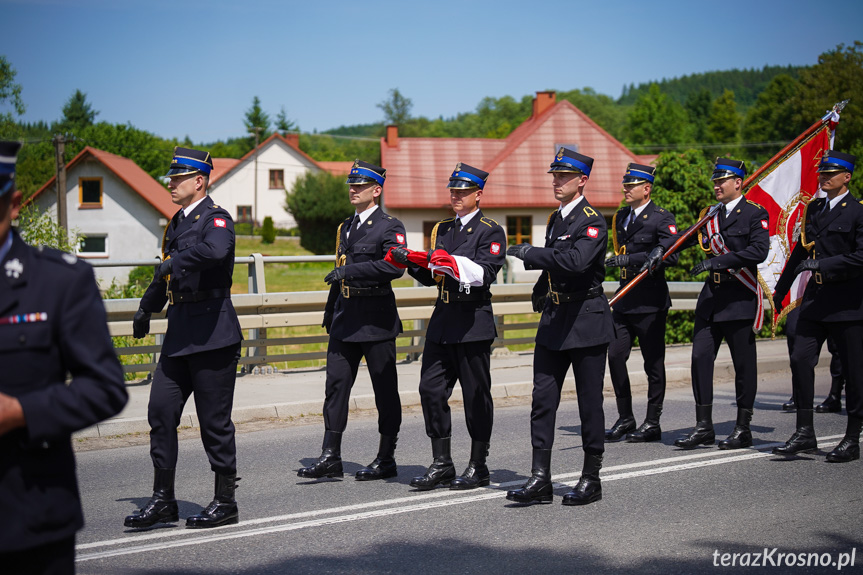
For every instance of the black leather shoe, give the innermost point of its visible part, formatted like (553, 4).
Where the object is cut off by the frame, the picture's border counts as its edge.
(790, 405)
(832, 404)
(703, 433)
(588, 489)
(384, 465)
(329, 464)
(476, 474)
(649, 430)
(538, 488)
(620, 428)
(441, 471)
(847, 450)
(162, 506)
(222, 510)
(741, 436)
(803, 440)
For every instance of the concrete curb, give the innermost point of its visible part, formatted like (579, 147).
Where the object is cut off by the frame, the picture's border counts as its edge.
(675, 377)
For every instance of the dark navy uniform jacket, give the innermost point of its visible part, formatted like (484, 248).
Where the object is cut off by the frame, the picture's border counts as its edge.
(372, 317)
(202, 248)
(39, 499)
(652, 225)
(837, 244)
(483, 242)
(573, 260)
(746, 235)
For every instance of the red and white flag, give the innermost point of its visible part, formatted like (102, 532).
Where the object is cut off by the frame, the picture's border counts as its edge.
(784, 191)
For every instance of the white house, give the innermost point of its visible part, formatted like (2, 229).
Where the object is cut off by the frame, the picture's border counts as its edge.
(117, 206)
(280, 162)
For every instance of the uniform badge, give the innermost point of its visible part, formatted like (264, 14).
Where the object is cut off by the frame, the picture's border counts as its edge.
(560, 154)
(14, 268)
(593, 232)
(495, 248)
(219, 222)
(400, 238)
(764, 224)
(672, 229)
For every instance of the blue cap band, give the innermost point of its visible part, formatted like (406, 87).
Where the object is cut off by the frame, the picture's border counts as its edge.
(575, 163)
(368, 174)
(827, 160)
(639, 174)
(475, 179)
(193, 163)
(726, 168)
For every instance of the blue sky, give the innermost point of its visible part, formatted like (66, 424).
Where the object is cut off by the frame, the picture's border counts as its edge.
(180, 68)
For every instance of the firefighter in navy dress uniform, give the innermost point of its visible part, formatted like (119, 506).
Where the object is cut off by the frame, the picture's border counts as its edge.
(201, 347)
(574, 330)
(831, 249)
(460, 331)
(363, 321)
(52, 327)
(642, 313)
(736, 240)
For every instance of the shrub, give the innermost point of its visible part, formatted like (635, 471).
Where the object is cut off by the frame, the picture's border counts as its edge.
(319, 202)
(268, 231)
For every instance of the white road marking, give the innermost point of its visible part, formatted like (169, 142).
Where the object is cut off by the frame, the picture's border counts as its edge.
(419, 502)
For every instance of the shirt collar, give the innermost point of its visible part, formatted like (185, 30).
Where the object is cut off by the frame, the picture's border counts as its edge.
(731, 205)
(365, 215)
(833, 202)
(467, 217)
(567, 209)
(191, 208)
(640, 209)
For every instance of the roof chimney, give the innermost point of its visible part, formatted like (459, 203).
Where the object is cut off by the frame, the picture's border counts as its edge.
(293, 140)
(392, 136)
(542, 102)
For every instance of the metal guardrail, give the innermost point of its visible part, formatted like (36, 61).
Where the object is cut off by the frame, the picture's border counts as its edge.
(260, 311)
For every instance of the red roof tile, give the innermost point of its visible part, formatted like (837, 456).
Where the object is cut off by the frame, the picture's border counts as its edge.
(222, 166)
(337, 168)
(418, 168)
(130, 173)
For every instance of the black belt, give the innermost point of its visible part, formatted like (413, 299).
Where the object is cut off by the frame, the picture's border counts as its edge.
(175, 297)
(719, 277)
(351, 291)
(629, 273)
(449, 296)
(560, 297)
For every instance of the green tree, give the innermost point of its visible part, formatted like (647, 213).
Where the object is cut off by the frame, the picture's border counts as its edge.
(723, 123)
(697, 107)
(40, 229)
(268, 231)
(600, 108)
(396, 108)
(10, 95)
(656, 122)
(772, 118)
(77, 113)
(319, 203)
(283, 124)
(256, 118)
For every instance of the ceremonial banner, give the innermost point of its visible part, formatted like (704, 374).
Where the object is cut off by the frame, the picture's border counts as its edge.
(784, 190)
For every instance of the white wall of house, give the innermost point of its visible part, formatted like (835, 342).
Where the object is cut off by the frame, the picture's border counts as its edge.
(238, 188)
(132, 227)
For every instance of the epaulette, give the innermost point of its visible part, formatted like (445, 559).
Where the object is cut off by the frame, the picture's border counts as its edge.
(57, 255)
(387, 216)
(489, 222)
(589, 211)
(660, 210)
(748, 201)
(215, 206)
(446, 220)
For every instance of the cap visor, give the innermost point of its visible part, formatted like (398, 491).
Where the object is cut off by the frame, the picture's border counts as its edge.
(358, 180)
(180, 171)
(461, 184)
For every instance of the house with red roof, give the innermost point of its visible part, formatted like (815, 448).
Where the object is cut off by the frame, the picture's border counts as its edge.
(280, 162)
(518, 193)
(116, 205)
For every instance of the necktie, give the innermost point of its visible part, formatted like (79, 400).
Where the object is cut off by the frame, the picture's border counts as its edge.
(724, 211)
(458, 224)
(629, 220)
(826, 209)
(354, 223)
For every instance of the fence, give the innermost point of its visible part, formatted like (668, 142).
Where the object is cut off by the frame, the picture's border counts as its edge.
(259, 311)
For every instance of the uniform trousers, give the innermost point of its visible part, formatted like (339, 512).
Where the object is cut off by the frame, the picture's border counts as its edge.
(470, 364)
(211, 375)
(55, 558)
(549, 371)
(649, 328)
(791, 334)
(706, 338)
(848, 337)
(343, 361)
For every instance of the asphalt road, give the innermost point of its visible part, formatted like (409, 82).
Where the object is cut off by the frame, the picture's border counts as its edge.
(663, 510)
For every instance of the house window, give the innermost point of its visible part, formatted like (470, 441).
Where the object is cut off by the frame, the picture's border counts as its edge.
(90, 192)
(277, 179)
(93, 245)
(244, 214)
(518, 230)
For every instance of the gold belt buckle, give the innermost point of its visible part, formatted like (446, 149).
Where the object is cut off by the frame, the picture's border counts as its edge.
(818, 279)
(170, 297)
(444, 295)
(623, 273)
(346, 291)
(717, 277)
(555, 297)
